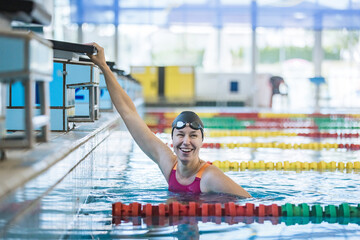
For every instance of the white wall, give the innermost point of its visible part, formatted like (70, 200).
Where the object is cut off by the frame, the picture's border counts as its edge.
(216, 87)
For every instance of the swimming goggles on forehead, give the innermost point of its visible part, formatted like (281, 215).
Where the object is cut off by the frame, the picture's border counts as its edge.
(182, 124)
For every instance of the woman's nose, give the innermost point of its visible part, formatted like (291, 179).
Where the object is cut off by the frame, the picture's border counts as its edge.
(186, 139)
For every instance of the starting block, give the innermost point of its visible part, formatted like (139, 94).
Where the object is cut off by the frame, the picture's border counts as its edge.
(25, 72)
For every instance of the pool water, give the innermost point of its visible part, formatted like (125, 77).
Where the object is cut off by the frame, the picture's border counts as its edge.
(79, 207)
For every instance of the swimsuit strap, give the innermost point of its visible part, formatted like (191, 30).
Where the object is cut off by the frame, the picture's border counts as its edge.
(200, 172)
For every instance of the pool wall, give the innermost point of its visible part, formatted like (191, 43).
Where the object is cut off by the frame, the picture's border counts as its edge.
(29, 175)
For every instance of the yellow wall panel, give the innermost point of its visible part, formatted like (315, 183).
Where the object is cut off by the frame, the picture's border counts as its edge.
(179, 83)
(148, 77)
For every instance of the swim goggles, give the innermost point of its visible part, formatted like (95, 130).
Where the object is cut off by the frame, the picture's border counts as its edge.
(182, 124)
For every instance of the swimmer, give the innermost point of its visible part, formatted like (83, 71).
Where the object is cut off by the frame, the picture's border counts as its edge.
(184, 171)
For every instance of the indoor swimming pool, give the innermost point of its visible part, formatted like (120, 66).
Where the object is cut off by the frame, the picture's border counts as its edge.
(79, 206)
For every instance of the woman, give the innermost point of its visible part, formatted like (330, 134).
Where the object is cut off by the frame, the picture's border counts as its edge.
(276, 82)
(184, 171)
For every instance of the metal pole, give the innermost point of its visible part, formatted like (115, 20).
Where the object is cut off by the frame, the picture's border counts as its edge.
(219, 98)
(318, 53)
(116, 36)
(29, 86)
(44, 109)
(80, 33)
(253, 52)
(116, 44)
(317, 58)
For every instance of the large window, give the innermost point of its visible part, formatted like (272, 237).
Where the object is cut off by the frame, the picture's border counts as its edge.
(287, 52)
(341, 68)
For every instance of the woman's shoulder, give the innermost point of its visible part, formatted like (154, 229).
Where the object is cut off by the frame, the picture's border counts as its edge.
(211, 176)
(211, 171)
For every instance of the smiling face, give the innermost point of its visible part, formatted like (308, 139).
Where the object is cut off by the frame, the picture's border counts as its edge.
(187, 143)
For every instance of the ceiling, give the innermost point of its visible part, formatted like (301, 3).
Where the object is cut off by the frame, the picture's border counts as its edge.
(309, 14)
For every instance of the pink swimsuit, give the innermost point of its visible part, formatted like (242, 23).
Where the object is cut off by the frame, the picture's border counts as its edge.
(194, 187)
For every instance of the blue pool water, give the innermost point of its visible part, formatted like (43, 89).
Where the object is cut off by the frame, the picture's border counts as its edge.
(79, 206)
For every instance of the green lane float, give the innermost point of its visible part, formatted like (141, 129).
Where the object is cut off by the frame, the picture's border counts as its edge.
(237, 121)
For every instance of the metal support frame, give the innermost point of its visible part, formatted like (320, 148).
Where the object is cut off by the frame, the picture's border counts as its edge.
(93, 104)
(31, 122)
(62, 101)
(84, 75)
(2, 110)
(2, 117)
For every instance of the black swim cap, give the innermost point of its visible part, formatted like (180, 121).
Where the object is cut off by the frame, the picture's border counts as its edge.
(188, 117)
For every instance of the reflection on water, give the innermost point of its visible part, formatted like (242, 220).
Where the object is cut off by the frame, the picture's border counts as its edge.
(80, 206)
(202, 198)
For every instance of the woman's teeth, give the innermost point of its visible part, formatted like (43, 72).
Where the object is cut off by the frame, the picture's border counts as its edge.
(185, 150)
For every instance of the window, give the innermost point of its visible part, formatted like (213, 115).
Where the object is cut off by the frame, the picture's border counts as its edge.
(234, 86)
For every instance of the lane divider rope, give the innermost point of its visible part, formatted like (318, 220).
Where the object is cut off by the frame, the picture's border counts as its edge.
(286, 165)
(254, 134)
(301, 213)
(303, 146)
(261, 115)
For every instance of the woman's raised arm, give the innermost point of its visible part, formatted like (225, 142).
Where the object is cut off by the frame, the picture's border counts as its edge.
(152, 146)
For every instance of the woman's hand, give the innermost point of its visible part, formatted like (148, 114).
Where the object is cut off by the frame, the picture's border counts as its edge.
(99, 58)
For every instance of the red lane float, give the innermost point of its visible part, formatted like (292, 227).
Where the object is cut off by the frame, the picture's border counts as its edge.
(176, 213)
(194, 209)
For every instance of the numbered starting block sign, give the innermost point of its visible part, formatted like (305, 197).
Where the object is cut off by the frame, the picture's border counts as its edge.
(81, 79)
